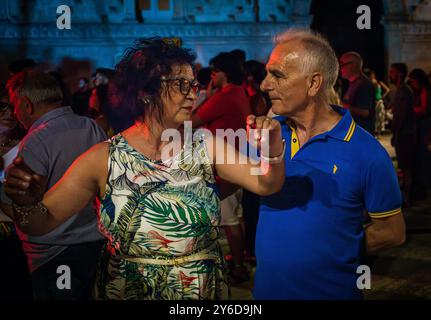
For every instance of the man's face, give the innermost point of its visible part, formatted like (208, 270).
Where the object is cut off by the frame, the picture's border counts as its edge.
(393, 75)
(21, 110)
(285, 81)
(218, 78)
(347, 66)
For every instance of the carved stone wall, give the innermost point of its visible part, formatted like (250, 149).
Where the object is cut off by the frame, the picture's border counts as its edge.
(408, 32)
(102, 29)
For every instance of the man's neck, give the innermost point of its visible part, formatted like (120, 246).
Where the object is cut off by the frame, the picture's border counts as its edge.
(354, 77)
(315, 119)
(400, 83)
(225, 84)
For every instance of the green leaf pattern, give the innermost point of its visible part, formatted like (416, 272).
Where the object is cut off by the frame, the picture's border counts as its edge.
(152, 209)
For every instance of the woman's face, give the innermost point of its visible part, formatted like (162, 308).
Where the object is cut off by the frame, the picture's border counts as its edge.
(414, 84)
(180, 94)
(7, 119)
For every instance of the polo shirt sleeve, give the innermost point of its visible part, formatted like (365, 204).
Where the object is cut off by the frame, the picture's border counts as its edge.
(382, 192)
(35, 155)
(211, 110)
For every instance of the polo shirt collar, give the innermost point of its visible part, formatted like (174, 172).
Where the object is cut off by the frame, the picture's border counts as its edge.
(342, 131)
(50, 115)
(345, 127)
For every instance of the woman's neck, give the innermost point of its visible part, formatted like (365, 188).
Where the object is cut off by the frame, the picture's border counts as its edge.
(152, 133)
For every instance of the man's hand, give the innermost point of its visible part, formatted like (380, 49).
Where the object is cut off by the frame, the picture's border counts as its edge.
(22, 185)
(265, 134)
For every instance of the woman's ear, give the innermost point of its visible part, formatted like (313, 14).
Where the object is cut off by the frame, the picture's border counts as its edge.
(316, 81)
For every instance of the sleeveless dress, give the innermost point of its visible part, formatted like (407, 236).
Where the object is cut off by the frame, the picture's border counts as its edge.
(154, 209)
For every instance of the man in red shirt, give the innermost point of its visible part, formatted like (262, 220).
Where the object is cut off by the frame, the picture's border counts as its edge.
(228, 108)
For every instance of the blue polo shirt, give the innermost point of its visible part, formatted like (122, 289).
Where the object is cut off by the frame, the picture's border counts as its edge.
(310, 234)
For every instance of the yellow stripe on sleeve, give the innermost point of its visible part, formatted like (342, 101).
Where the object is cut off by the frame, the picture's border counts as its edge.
(384, 214)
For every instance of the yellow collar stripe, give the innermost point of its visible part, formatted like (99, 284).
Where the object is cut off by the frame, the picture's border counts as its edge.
(294, 144)
(350, 132)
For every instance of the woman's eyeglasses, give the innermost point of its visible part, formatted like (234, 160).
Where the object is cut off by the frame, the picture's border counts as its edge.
(185, 85)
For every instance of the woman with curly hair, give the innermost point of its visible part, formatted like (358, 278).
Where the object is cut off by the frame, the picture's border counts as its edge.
(158, 210)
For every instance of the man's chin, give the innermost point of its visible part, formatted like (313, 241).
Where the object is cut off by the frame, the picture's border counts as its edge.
(277, 106)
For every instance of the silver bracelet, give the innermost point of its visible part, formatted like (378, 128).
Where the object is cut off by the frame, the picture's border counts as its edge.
(276, 159)
(25, 211)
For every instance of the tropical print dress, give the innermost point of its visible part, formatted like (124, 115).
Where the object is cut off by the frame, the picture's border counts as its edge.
(154, 209)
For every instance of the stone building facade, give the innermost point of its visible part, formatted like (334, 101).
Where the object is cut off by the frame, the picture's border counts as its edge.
(100, 30)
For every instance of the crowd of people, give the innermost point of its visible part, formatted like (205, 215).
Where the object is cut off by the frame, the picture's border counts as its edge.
(85, 184)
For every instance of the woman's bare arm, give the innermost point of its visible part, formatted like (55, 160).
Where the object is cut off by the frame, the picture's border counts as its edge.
(261, 178)
(73, 192)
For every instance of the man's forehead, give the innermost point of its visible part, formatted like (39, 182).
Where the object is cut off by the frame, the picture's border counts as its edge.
(283, 55)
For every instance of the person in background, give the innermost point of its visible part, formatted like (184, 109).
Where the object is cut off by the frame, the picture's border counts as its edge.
(14, 276)
(260, 105)
(403, 127)
(81, 98)
(259, 101)
(240, 55)
(17, 66)
(359, 98)
(102, 104)
(56, 137)
(381, 91)
(228, 108)
(59, 76)
(204, 79)
(421, 87)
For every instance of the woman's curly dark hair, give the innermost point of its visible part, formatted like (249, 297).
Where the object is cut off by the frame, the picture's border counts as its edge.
(137, 86)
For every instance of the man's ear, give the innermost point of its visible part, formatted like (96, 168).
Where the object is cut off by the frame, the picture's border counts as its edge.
(29, 106)
(316, 81)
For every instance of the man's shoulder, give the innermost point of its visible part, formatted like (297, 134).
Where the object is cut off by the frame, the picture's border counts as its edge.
(367, 148)
(53, 129)
(405, 91)
(364, 82)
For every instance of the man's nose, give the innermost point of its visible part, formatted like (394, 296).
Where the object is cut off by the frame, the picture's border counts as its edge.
(264, 86)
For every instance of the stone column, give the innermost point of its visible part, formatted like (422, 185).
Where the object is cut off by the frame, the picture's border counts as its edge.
(129, 11)
(301, 13)
(179, 14)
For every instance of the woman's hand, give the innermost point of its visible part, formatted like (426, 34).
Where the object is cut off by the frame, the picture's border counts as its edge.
(265, 134)
(22, 185)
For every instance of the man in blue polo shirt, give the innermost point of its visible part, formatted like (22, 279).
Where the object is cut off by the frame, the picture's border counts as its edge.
(311, 234)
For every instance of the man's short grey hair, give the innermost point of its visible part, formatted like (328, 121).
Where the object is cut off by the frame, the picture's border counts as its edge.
(319, 56)
(357, 57)
(39, 87)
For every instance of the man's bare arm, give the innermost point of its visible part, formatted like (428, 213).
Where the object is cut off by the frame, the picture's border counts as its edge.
(385, 233)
